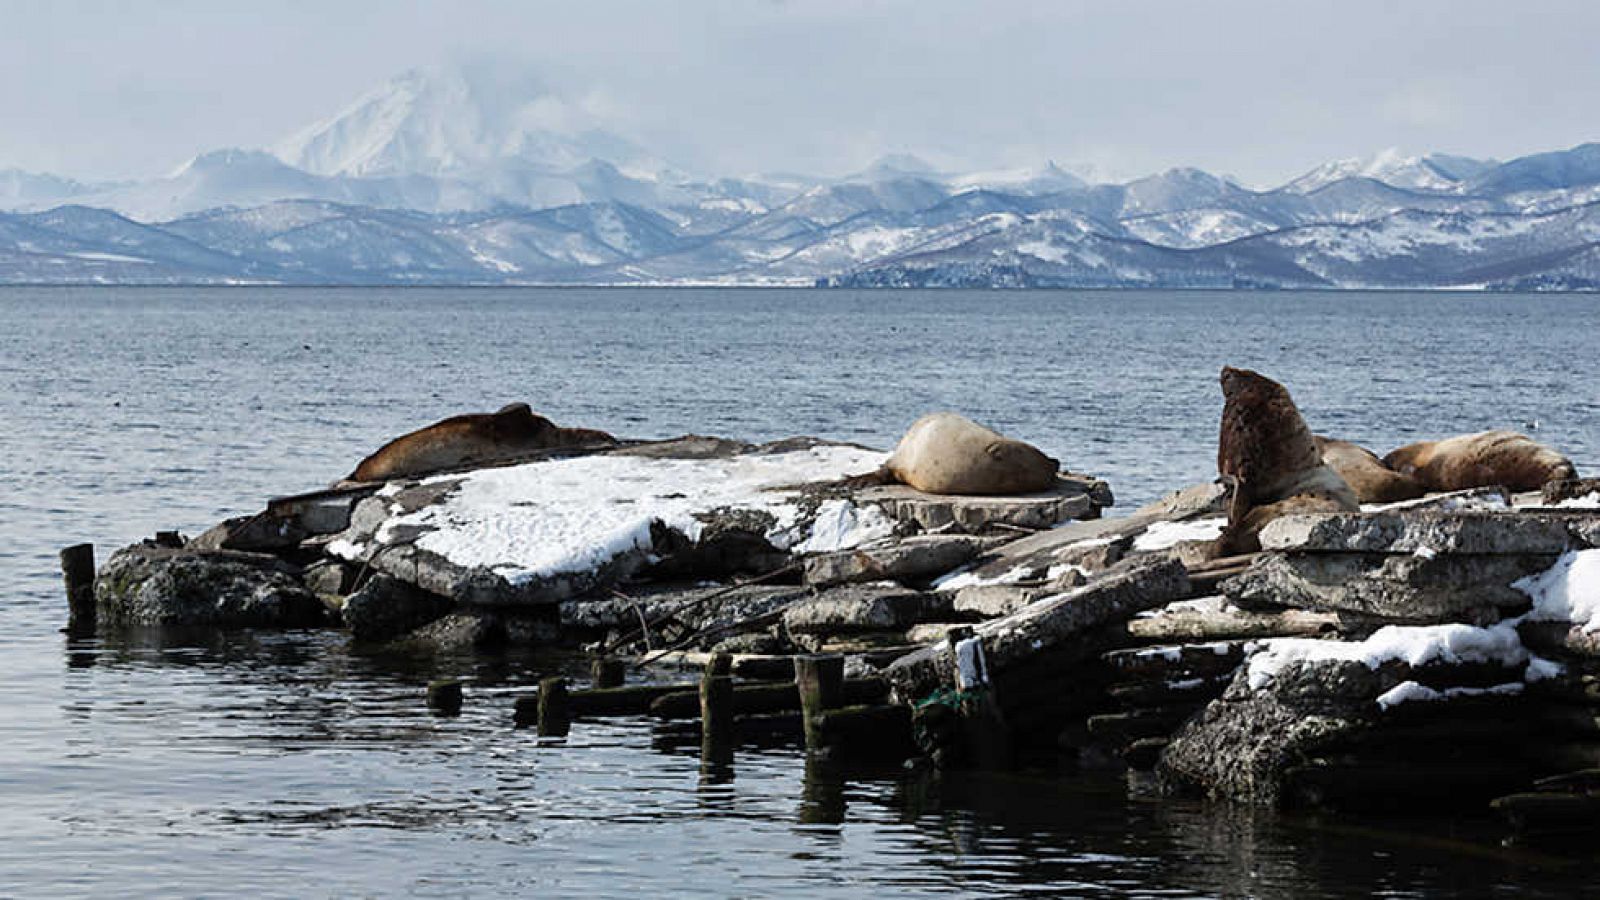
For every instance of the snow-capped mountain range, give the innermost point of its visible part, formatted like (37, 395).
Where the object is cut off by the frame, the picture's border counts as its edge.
(465, 176)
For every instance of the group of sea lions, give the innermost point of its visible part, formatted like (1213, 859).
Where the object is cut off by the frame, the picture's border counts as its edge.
(1265, 452)
(1277, 466)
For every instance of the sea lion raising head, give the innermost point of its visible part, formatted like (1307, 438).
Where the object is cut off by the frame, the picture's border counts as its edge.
(1268, 452)
(1487, 459)
(1366, 474)
(472, 439)
(945, 453)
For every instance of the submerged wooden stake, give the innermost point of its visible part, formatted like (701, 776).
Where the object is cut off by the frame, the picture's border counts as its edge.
(444, 697)
(555, 707)
(608, 672)
(716, 704)
(77, 570)
(821, 682)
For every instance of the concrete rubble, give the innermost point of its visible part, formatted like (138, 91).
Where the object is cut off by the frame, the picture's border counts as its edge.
(1002, 630)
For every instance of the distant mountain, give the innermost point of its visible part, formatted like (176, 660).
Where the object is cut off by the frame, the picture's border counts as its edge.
(483, 176)
(1435, 172)
(458, 122)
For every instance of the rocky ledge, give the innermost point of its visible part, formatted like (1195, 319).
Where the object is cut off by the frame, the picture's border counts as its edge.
(1459, 632)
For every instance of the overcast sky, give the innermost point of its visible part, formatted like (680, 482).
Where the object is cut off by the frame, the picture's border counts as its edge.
(1261, 90)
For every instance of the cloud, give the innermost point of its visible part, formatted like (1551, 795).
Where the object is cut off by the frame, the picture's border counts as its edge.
(1423, 103)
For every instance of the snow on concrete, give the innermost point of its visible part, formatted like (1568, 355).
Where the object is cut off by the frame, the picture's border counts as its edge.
(1163, 535)
(1590, 500)
(549, 518)
(841, 525)
(1414, 692)
(966, 577)
(1414, 645)
(1568, 591)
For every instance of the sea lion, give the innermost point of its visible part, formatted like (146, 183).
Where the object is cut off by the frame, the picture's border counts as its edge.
(1487, 459)
(1267, 451)
(472, 439)
(1366, 474)
(946, 453)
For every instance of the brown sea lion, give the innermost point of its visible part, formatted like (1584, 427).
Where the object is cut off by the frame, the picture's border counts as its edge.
(1505, 458)
(1269, 454)
(945, 453)
(1366, 474)
(472, 439)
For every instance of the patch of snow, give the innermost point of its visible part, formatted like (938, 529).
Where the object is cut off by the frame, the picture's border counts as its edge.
(1476, 500)
(1568, 591)
(106, 257)
(548, 518)
(841, 525)
(345, 549)
(1413, 692)
(1590, 500)
(1043, 250)
(1086, 543)
(1060, 570)
(972, 669)
(1163, 535)
(1540, 669)
(1414, 645)
(962, 578)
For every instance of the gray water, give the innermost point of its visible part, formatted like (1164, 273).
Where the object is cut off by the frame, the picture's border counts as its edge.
(282, 765)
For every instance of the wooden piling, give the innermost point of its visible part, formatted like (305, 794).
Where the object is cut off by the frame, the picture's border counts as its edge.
(716, 705)
(77, 570)
(820, 680)
(444, 697)
(608, 672)
(988, 737)
(555, 707)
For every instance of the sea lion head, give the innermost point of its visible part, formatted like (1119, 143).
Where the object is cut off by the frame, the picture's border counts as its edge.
(1020, 467)
(1263, 442)
(517, 422)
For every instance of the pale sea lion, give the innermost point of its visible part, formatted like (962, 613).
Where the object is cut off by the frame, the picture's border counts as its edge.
(472, 439)
(1267, 451)
(1366, 474)
(945, 453)
(1504, 458)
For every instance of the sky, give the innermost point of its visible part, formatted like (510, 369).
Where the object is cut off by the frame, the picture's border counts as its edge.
(1261, 91)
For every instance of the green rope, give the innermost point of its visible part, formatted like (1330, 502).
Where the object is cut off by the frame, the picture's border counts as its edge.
(950, 697)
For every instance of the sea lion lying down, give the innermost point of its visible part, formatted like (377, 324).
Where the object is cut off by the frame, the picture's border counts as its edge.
(1504, 458)
(1269, 454)
(472, 439)
(1366, 474)
(945, 453)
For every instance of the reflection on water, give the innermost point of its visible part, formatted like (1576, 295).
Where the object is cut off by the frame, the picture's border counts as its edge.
(158, 763)
(319, 765)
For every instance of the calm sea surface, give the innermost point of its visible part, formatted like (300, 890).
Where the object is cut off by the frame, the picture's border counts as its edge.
(281, 765)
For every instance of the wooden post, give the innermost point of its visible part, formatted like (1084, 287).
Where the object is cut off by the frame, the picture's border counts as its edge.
(988, 738)
(77, 570)
(821, 682)
(822, 800)
(716, 709)
(608, 671)
(555, 708)
(444, 697)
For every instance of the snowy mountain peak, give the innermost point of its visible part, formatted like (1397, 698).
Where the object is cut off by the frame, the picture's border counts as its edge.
(1435, 172)
(229, 158)
(450, 121)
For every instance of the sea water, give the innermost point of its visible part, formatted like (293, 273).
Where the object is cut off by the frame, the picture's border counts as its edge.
(280, 764)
